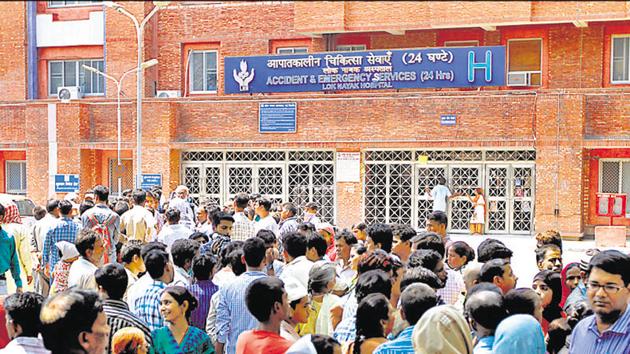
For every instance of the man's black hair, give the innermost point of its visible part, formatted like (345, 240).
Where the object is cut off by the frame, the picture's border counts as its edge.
(424, 258)
(150, 246)
(430, 241)
(267, 236)
(23, 309)
(121, 207)
(65, 207)
(439, 217)
(113, 278)
(218, 217)
(139, 196)
(254, 251)
(348, 237)
(420, 275)
(415, 300)
(613, 262)
(406, 233)
(311, 205)
(492, 249)
(294, 244)
(542, 251)
(203, 265)
(184, 250)
(521, 301)
(52, 205)
(486, 308)
(129, 250)
(225, 251)
(324, 344)
(85, 206)
(377, 259)
(373, 281)
(381, 233)
(241, 200)
(235, 259)
(195, 235)
(265, 203)
(492, 268)
(101, 193)
(261, 296)
(291, 208)
(172, 215)
(155, 262)
(85, 241)
(318, 242)
(484, 287)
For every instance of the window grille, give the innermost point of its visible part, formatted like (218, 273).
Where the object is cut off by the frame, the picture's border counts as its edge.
(614, 177)
(16, 177)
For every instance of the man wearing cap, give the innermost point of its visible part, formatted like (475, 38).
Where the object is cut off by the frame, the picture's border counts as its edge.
(328, 233)
(299, 305)
(180, 202)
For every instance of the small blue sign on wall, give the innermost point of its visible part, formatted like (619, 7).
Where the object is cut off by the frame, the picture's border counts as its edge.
(448, 119)
(66, 183)
(277, 117)
(149, 180)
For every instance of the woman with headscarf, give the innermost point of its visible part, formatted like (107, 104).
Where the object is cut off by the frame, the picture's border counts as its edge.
(442, 330)
(321, 281)
(519, 334)
(547, 285)
(570, 277)
(12, 224)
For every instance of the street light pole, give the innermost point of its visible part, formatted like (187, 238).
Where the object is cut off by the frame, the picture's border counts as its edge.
(140, 76)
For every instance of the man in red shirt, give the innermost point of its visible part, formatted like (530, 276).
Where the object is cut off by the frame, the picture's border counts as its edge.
(267, 301)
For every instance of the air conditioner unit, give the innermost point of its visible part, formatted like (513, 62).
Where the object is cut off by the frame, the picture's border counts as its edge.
(519, 79)
(168, 94)
(67, 93)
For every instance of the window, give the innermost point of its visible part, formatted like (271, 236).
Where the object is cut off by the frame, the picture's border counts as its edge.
(620, 60)
(614, 177)
(350, 48)
(525, 62)
(461, 43)
(203, 71)
(16, 177)
(73, 3)
(300, 50)
(71, 73)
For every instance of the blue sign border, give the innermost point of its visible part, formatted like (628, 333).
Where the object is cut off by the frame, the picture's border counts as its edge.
(70, 186)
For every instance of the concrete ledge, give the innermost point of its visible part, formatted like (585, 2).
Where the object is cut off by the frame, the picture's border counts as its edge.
(610, 236)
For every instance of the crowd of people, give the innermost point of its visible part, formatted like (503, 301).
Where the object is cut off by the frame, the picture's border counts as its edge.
(149, 274)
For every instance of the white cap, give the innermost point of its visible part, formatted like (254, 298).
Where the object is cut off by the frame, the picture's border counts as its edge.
(68, 250)
(295, 290)
(304, 345)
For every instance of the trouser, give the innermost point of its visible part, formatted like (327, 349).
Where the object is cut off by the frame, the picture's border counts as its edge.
(42, 284)
(3, 287)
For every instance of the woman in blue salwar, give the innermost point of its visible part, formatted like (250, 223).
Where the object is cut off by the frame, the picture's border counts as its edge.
(178, 337)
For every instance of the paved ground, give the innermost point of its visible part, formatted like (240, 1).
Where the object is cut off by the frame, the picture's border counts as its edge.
(524, 260)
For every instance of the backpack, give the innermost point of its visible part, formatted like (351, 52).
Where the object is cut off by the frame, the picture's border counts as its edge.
(102, 228)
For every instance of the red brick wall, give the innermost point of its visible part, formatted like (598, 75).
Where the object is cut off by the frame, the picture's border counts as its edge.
(13, 51)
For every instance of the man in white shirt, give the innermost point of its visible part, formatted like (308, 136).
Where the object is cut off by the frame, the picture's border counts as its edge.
(40, 229)
(138, 223)
(173, 230)
(298, 266)
(266, 222)
(440, 194)
(180, 202)
(90, 247)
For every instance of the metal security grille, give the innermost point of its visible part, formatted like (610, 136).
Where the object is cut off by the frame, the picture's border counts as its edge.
(16, 177)
(395, 185)
(296, 176)
(615, 178)
(120, 177)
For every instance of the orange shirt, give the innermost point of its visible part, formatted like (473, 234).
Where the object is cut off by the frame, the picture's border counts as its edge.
(255, 342)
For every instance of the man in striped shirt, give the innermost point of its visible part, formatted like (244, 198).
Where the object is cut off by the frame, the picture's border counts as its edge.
(147, 305)
(608, 291)
(112, 283)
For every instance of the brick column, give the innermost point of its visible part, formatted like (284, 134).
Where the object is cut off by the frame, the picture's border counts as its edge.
(559, 155)
(349, 199)
(37, 152)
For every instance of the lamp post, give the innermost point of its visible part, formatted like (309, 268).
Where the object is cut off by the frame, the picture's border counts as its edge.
(146, 64)
(140, 37)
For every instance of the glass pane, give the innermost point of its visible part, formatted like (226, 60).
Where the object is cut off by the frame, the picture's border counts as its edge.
(211, 80)
(211, 60)
(525, 55)
(196, 72)
(98, 82)
(620, 59)
(284, 51)
(300, 50)
(625, 183)
(610, 177)
(70, 73)
(85, 77)
(56, 77)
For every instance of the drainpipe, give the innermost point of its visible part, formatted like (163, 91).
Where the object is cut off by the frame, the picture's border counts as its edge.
(556, 210)
(31, 51)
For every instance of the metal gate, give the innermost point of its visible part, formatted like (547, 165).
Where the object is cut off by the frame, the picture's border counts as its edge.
(506, 179)
(296, 176)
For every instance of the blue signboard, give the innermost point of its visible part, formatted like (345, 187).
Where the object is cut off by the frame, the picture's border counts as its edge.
(277, 117)
(367, 70)
(149, 180)
(448, 119)
(66, 183)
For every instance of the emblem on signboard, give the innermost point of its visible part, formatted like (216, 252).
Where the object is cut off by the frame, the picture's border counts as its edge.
(243, 77)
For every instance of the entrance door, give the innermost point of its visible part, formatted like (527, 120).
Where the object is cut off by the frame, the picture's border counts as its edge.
(496, 194)
(266, 180)
(427, 177)
(522, 188)
(464, 180)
